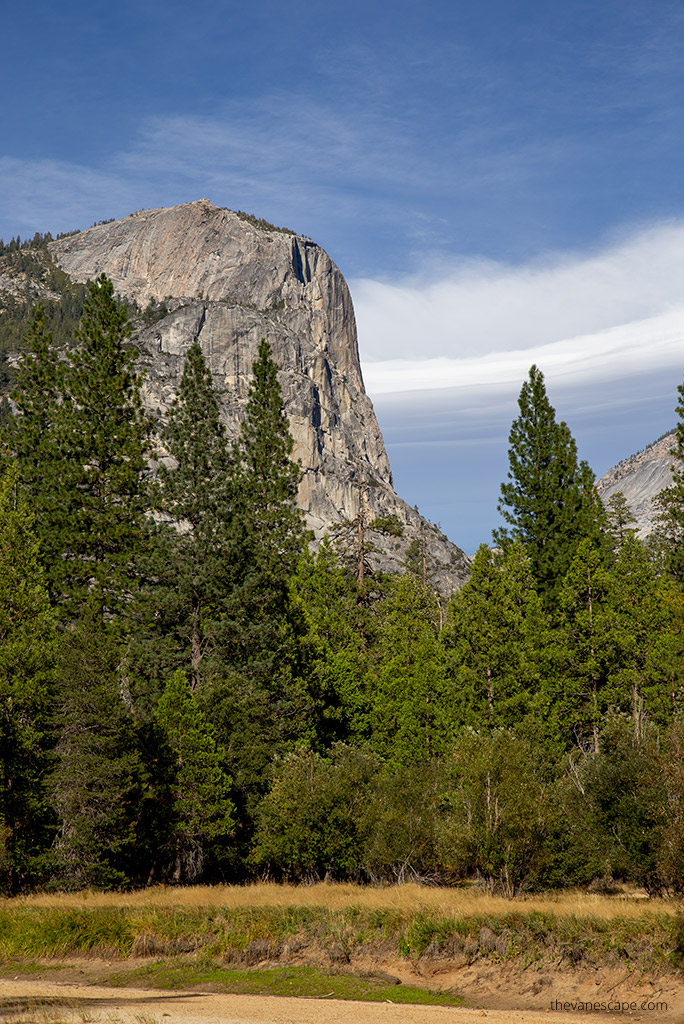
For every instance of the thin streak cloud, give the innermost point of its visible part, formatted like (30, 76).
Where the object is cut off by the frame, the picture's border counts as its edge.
(624, 351)
(480, 309)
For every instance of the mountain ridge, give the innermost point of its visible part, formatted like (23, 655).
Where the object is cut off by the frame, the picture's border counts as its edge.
(641, 477)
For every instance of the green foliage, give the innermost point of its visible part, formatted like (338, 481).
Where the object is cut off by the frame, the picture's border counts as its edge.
(194, 558)
(274, 529)
(389, 524)
(400, 824)
(501, 811)
(348, 816)
(27, 653)
(38, 283)
(309, 823)
(86, 475)
(324, 592)
(411, 711)
(618, 810)
(201, 808)
(619, 518)
(591, 639)
(671, 503)
(96, 783)
(33, 435)
(496, 639)
(670, 853)
(227, 702)
(263, 225)
(549, 501)
(260, 698)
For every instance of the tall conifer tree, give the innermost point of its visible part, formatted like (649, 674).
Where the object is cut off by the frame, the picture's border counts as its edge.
(273, 533)
(107, 443)
(201, 809)
(261, 702)
(549, 500)
(27, 654)
(81, 440)
(195, 558)
(670, 502)
(35, 437)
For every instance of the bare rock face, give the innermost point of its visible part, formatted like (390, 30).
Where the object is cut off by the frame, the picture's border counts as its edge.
(229, 281)
(640, 478)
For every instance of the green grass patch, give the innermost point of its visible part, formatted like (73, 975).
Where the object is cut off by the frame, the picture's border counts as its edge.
(51, 932)
(243, 937)
(300, 982)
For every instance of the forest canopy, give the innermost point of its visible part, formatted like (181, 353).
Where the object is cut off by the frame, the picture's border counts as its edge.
(188, 691)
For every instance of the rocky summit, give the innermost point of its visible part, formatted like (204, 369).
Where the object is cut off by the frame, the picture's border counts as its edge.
(229, 280)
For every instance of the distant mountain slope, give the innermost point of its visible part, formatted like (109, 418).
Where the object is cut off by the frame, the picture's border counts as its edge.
(640, 478)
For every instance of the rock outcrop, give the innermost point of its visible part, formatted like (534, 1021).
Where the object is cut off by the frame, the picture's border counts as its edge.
(229, 281)
(640, 478)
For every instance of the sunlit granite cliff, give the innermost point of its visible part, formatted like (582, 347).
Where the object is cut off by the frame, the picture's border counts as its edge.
(228, 281)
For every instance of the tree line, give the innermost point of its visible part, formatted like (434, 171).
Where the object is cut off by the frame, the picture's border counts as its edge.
(188, 692)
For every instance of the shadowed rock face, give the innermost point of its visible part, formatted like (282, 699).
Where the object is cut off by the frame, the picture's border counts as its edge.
(640, 478)
(228, 283)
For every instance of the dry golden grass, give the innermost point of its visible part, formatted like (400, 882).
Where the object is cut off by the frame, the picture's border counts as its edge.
(411, 898)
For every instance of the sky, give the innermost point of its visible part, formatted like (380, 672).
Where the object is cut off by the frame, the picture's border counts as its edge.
(501, 184)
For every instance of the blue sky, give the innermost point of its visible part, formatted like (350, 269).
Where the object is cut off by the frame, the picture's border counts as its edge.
(500, 184)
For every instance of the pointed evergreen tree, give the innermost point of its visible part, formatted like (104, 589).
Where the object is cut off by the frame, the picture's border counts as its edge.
(591, 647)
(27, 654)
(495, 638)
(201, 810)
(326, 592)
(549, 501)
(619, 519)
(97, 781)
(273, 534)
(81, 438)
(34, 437)
(194, 564)
(411, 714)
(670, 505)
(261, 702)
(107, 440)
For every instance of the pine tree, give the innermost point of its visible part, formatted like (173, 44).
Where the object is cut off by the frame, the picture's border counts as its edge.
(107, 440)
(549, 501)
(194, 562)
(591, 641)
(326, 593)
(27, 653)
(81, 439)
(260, 701)
(34, 437)
(619, 519)
(495, 637)
(411, 711)
(670, 504)
(273, 536)
(97, 781)
(201, 809)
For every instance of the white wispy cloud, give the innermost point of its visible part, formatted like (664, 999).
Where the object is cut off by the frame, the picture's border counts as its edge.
(624, 351)
(608, 312)
(480, 307)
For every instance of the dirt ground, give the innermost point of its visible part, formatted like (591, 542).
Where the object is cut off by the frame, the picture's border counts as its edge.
(493, 993)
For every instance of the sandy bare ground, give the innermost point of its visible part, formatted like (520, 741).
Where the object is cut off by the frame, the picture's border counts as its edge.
(23, 1001)
(494, 994)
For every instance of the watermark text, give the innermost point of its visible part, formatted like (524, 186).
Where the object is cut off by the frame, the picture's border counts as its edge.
(609, 1006)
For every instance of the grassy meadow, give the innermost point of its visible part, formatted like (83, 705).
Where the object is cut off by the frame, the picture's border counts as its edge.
(340, 925)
